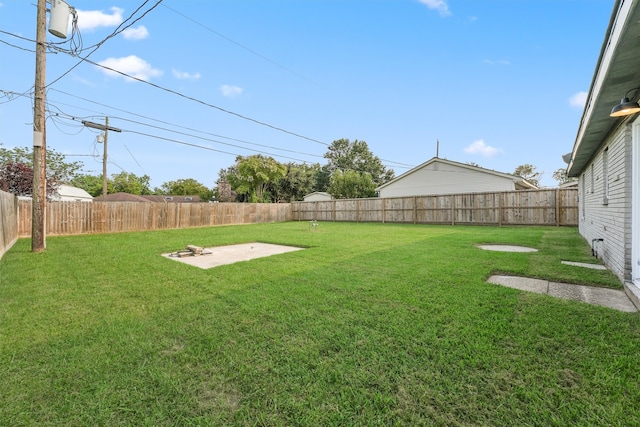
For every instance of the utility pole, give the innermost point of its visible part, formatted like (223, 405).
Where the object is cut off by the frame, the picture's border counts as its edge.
(104, 158)
(106, 128)
(38, 203)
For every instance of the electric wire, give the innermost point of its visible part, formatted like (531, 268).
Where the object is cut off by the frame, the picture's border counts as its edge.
(95, 47)
(202, 146)
(62, 115)
(230, 40)
(207, 104)
(179, 126)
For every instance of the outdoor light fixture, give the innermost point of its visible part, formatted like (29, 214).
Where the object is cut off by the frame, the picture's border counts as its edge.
(626, 107)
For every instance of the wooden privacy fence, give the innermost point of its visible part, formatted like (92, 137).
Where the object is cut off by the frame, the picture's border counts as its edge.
(8, 221)
(65, 218)
(535, 207)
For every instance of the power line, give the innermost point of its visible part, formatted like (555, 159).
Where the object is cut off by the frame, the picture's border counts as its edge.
(207, 104)
(62, 115)
(117, 31)
(230, 40)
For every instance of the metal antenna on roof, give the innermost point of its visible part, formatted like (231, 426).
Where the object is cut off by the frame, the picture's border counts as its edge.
(437, 148)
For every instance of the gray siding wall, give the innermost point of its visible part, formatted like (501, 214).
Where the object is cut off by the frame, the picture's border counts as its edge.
(440, 178)
(609, 218)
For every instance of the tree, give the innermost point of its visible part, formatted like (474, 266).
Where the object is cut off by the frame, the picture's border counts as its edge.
(351, 185)
(300, 180)
(58, 170)
(223, 191)
(345, 155)
(560, 175)
(17, 178)
(529, 173)
(126, 182)
(253, 174)
(187, 187)
(92, 184)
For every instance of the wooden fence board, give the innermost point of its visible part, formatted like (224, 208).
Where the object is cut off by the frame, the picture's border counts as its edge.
(8, 221)
(65, 218)
(535, 207)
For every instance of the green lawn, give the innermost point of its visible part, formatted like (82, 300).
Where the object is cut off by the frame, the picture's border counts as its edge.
(372, 324)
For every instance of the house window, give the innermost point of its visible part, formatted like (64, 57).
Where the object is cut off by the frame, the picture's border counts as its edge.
(605, 176)
(188, 199)
(168, 199)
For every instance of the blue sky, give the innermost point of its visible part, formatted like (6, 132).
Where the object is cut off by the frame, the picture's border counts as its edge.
(499, 83)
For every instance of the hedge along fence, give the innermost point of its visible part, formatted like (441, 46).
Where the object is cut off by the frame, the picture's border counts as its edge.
(8, 221)
(65, 218)
(535, 207)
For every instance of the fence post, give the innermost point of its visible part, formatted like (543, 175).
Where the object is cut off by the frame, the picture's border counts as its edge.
(557, 203)
(383, 210)
(453, 204)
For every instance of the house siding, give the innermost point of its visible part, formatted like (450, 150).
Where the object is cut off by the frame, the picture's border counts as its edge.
(441, 178)
(609, 218)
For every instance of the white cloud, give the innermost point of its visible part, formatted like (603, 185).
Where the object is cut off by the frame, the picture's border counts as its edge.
(89, 20)
(479, 147)
(137, 33)
(231, 91)
(578, 100)
(183, 75)
(439, 5)
(131, 65)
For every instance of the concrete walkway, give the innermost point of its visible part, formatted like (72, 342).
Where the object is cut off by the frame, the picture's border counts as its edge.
(611, 298)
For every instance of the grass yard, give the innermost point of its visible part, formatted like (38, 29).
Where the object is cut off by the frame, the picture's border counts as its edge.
(372, 324)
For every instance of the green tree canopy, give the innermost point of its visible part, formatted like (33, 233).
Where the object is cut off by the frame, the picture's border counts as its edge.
(300, 180)
(92, 184)
(253, 174)
(187, 187)
(344, 155)
(58, 170)
(351, 185)
(126, 182)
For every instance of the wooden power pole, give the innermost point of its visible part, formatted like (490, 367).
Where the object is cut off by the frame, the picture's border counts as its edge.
(38, 203)
(106, 128)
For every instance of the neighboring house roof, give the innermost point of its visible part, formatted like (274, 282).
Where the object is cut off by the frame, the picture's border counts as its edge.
(519, 183)
(570, 184)
(70, 193)
(126, 197)
(617, 71)
(318, 195)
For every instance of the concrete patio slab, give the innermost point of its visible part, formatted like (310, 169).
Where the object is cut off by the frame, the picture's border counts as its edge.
(222, 255)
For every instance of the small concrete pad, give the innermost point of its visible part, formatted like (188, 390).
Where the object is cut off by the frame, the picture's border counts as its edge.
(585, 265)
(507, 248)
(222, 255)
(523, 283)
(612, 298)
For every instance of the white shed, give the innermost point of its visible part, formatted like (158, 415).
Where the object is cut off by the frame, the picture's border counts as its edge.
(441, 176)
(318, 196)
(68, 193)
